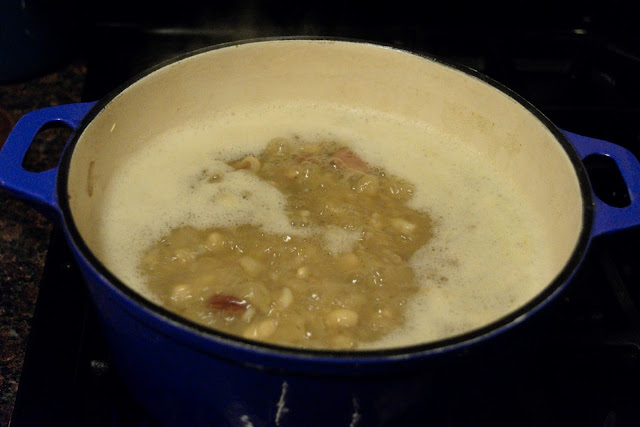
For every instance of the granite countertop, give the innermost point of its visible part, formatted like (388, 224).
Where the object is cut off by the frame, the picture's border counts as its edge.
(24, 233)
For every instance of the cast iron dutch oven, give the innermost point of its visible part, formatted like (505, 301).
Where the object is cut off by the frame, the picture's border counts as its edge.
(185, 374)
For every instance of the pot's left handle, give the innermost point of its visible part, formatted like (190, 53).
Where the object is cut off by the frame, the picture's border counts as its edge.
(37, 188)
(609, 218)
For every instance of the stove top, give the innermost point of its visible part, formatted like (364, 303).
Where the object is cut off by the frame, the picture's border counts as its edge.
(583, 77)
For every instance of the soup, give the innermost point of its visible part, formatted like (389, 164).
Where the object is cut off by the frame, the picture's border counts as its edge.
(323, 227)
(343, 278)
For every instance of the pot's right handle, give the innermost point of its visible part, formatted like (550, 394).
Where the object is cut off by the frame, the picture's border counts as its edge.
(37, 188)
(608, 218)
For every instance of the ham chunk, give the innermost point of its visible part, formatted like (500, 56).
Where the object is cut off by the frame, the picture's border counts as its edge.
(228, 303)
(347, 159)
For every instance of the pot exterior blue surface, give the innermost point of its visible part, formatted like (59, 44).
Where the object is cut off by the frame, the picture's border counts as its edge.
(187, 375)
(181, 385)
(182, 377)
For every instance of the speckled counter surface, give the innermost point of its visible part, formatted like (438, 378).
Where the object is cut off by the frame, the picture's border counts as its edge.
(24, 233)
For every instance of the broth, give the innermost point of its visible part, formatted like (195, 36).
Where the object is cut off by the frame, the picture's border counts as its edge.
(482, 256)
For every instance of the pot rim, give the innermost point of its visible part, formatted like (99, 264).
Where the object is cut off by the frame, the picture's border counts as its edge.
(367, 356)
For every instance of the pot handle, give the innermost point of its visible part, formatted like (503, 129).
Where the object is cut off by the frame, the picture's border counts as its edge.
(37, 188)
(608, 218)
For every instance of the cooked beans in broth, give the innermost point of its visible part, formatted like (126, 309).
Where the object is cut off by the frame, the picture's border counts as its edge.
(344, 280)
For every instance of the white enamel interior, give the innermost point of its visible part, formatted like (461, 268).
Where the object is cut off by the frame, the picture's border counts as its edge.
(353, 74)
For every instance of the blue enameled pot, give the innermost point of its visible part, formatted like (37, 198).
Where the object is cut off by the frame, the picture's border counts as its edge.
(185, 374)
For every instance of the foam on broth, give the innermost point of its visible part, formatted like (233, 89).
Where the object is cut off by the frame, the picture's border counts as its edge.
(487, 256)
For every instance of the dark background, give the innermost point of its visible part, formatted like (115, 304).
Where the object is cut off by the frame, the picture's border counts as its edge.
(69, 28)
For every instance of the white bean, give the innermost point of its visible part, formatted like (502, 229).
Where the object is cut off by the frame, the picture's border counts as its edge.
(248, 315)
(181, 293)
(250, 265)
(348, 261)
(261, 330)
(259, 297)
(341, 318)
(215, 241)
(302, 272)
(286, 298)
(402, 225)
(274, 275)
